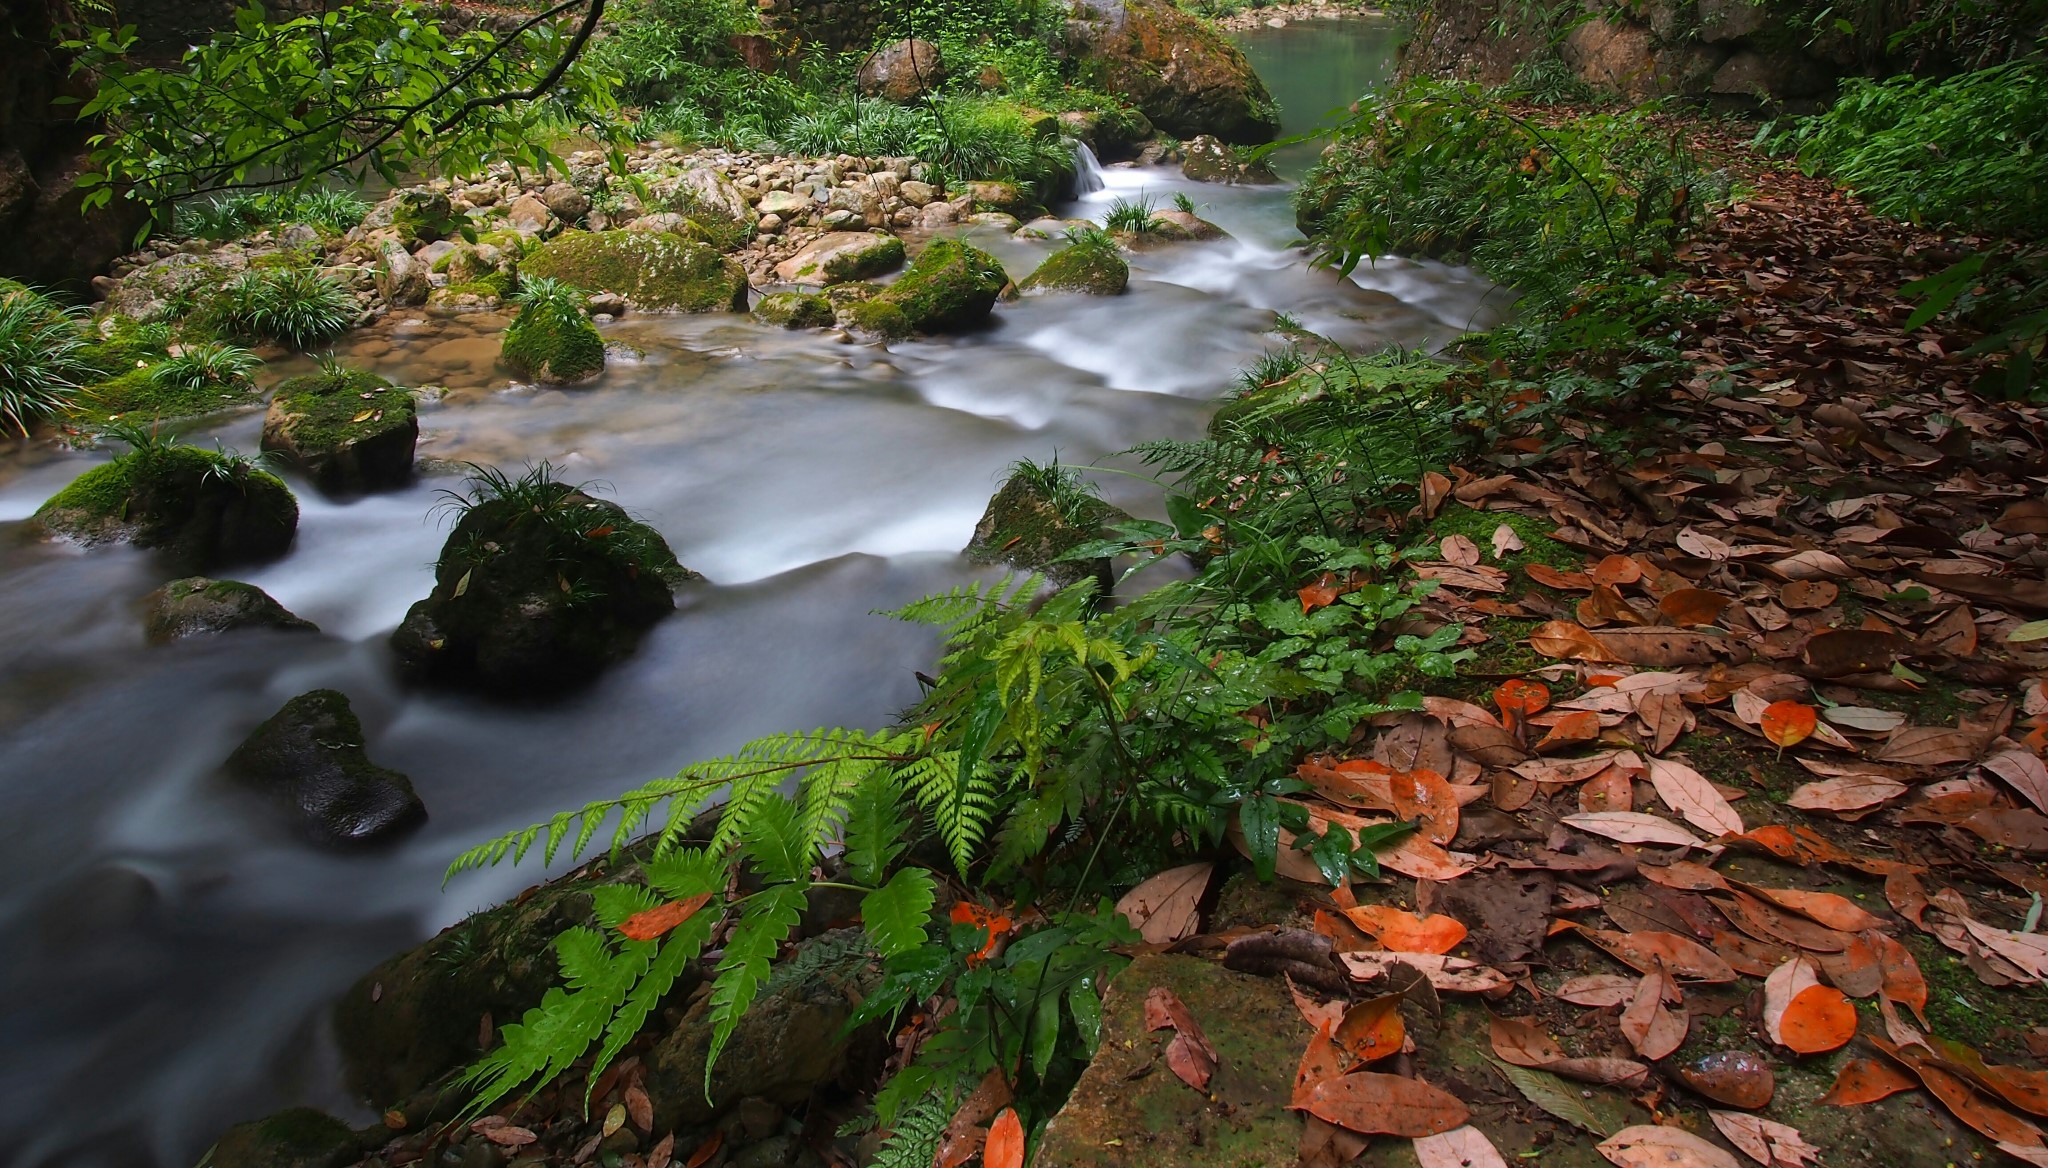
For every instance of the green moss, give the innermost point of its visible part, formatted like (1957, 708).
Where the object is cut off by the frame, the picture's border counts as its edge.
(655, 270)
(794, 310)
(1479, 526)
(330, 408)
(128, 345)
(952, 285)
(424, 216)
(202, 507)
(136, 392)
(551, 345)
(1081, 268)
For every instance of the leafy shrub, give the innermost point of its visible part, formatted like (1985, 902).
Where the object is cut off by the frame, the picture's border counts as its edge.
(43, 357)
(293, 306)
(221, 217)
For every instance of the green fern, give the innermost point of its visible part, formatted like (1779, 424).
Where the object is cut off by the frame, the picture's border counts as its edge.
(768, 919)
(914, 1141)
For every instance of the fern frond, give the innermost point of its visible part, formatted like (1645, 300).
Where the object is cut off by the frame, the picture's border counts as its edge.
(873, 828)
(914, 1140)
(895, 914)
(768, 918)
(678, 949)
(554, 1034)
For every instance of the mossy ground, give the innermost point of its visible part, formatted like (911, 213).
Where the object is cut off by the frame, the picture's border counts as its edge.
(794, 310)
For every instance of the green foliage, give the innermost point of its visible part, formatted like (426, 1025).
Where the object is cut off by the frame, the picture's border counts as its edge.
(552, 336)
(1131, 216)
(233, 215)
(914, 1139)
(355, 89)
(1073, 497)
(297, 307)
(204, 366)
(43, 357)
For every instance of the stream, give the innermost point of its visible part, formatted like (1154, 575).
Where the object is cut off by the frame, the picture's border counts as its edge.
(170, 949)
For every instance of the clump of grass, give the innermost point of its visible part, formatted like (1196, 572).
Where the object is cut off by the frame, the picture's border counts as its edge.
(205, 365)
(1131, 216)
(1072, 496)
(1272, 366)
(1182, 203)
(294, 306)
(43, 357)
(232, 216)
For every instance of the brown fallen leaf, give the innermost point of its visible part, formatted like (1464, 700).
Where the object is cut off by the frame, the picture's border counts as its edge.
(1771, 1144)
(1929, 746)
(2023, 1088)
(1841, 652)
(1692, 606)
(1401, 931)
(1633, 827)
(1867, 1081)
(654, 922)
(1688, 792)
(1464, 1147)
(965, 1133)
(1808, 595)
(1830, 909)
(1570, 642)
(1523, 1042)
(2023, 772)
(1735, 1078)
(1165, 908)
(1451, 974)
(1649, 1146)
(1376, 1104)
(1189, 1055)
(1643, 951)
(1850, 793)
(1650, 1028)
(1973, 1108)
(1902, 982)
(1596, 989)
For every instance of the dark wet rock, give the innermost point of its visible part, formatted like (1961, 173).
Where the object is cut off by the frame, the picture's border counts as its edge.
(197, 606)
(790, 1042)
(349, 430)
(537, 591)
(309, 755)
(951, 286)
(1204, 159)
(903, 71)
(1129, 1110)
(1178, 70)
(1030, 524)
(656, 271)
(300, 1137)
(794, 310)
(201, 509)
(1098, 271)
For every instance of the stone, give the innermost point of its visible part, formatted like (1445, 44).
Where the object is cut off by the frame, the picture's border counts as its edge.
(149, 289)
(197, 606)
(769, 224)
(654, 271)
(917, 194)
(901, 72)
(669, 222)
(529, 216)
(842, 220)
(1731, 20)
(527, 601)
(418, 215)
(712, 191)
(1775, 74)
(1612, 55)
(783, 203)
(842, 255)
(198, 507)
(441, 249)
(1039, 515)
(349, 430)
(1128, 1111)
(1093, 268)
(951, 286)
(565, 202)
(794, 310)
(299, 1137)
(999, 196)
(553, 344)
(309, 756)
(1185, 76)
(1204, 159)
(791, 1041)
(401, 279)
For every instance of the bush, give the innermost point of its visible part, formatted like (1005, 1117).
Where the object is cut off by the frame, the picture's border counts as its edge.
(293, 306)
(43, 357)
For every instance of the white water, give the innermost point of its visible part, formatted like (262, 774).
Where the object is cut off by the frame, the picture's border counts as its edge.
(170, 951)
(1087, 170)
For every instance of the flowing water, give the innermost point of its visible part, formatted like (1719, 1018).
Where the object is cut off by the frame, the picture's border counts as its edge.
(170, 950)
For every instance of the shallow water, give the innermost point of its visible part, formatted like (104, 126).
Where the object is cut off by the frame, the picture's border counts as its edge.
(170, 950)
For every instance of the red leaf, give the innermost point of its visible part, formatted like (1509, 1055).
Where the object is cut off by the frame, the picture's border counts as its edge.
(1005, 1147)
(1789, 723)
(656, 921)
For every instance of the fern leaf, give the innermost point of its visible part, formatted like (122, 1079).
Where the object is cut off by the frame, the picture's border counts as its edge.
(774, 840)
(873, 829)
(686, 873)
(895, 914)
(767, 919)
(613, 903)
(914, 1140)
(678, 949)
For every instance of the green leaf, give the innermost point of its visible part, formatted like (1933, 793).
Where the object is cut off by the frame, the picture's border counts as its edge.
(874, 829)
(1085, 1004)
(895, 915)
(1188, 520)
(2031, 631)
(1259, 816)
(1045, 1033)
(1332, 854)
(768, 918)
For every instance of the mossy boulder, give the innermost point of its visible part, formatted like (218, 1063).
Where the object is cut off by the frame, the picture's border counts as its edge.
(137, 391)
(551, 344)
(422, 215)
(197, 606)
(1039, 516)
(654, 270)
(201, 509)
(1097, 270)
(309, 757)
(299, 1137)
(350, 430)
(1204, 159)
(537, 589)
(1175, 67)
(838, 256)
(794, 310)
(951, 286)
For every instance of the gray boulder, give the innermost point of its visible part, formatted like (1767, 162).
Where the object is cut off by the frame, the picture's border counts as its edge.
(198, 606)
(902, 72)
(309, 756)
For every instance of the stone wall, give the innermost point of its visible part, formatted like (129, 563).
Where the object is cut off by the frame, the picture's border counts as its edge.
(835, 24)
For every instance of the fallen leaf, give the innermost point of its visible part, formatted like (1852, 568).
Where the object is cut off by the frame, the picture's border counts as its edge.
(1596, 989)
(1460, 550)
(1834, 911)
(1787, 724)
(1902, 982)
(1867, 1081)
(1378, 1104)
(1550, 577)
(1406, 932)
(706, 1150)
(1523, 1042)
(1773, 1145)
(1645, 949)
(1505, 540)
(1005, 1146)
(2024, 1089)
(1807, 595)
(2028, 951)
(964, 1134)
(1165, 908)
(1705, 547)
(1189, 1055)
(1323, 592)
(1650, 1028)
(639, 1108)
(1568, 641)
(656, 921)
(1632, 827)
(1692, 606)
(1464, 1147)
(1841, 652)
(1929, 746)
(1817, 1019)
(1649, 1146)
(1371, 1030)
(1851, 793)
(1867, 719)
(1553, 1095)
(1736, 1078)
(1521, 698)
(2023, 772)
(662, 1154)
(1688, 792)
(1451, 974)
(1577, 726)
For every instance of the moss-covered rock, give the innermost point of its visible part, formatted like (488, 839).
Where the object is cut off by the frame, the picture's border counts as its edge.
(537, 589)
(655, 271)
(197, 606)
(299, 1137)
(1184, 75)
(201, 509)
(349, 430)
(1204, 159)
(423, 216)
(140, 393)
(794, 310)
(1039, 515)
(309, 757)
(838, 256)
(951, 286)
(550, 344)
(1097, 270)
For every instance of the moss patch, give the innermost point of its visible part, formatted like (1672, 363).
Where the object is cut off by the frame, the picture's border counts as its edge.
(200, 507)
(951, 286)
(794, 310)
(137, 392)
(548, 344)
(349, 429)
(1099, 271)
(655, 270)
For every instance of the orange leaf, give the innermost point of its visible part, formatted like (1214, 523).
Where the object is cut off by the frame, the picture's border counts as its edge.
(1577, 726)
(1523, 1042)
(646, 926)
(1377, 1104)
(1789, 723)
(1324, 591)
(1616, 570)
(998, 926)
(1406, 932)
(1521, 697)
(1005, 1147)
(1372, 1029)
(1320, 1063)
(1692, 606)
(1818, 1019)
(1426, 796)
(1902, 980)
(706, 1150)
(1568, 641)
(1867, 1081)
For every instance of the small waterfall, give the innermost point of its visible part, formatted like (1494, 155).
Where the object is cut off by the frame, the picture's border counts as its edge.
(1087, 170)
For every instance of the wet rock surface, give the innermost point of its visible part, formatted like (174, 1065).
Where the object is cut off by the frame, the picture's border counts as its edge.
(199, 509)
(197, 606)
(309, 757)
(348, 430)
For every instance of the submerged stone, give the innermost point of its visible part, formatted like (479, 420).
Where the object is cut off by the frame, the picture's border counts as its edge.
(349, 430)
(655, 271)
(299, 1137)
(197, 606)
(200, 508)
(309, 756)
